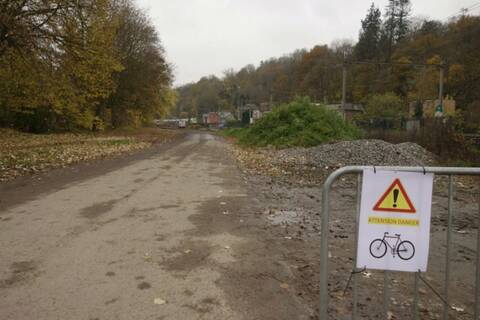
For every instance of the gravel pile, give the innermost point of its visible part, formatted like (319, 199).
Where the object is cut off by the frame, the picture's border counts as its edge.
(358, 152)
(312, 165)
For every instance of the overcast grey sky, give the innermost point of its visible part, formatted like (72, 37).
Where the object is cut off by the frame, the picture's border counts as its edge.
(204, 37)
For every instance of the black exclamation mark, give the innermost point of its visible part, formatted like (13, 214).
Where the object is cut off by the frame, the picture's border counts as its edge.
(395, 197)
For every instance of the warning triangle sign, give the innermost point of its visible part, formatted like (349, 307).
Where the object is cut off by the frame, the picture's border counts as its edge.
(395, 199)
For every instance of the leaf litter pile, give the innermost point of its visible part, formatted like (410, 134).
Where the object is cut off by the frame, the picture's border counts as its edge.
(25, 153)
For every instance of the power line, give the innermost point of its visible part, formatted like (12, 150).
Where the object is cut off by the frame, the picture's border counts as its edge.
(474, 5)
(465, 10)
(477, 8)
(473, 8)
(396, 63)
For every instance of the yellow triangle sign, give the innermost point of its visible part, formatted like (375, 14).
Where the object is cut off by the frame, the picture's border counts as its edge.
(395, 199)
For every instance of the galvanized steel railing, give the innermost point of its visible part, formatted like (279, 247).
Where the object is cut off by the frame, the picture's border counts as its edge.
(450, 172)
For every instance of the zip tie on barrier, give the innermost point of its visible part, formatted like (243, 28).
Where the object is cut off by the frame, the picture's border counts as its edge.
(350, 278)
(374, 169)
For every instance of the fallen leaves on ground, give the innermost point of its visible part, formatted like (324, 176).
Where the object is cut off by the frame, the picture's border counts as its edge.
(25, 153)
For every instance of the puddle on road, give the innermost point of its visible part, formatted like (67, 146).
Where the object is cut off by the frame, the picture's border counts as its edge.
(20, 271)
(97, 209)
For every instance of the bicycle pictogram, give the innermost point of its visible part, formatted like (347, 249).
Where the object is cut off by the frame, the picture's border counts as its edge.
(403, 248)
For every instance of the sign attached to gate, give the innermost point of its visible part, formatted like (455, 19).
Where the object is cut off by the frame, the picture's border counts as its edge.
(394, 225)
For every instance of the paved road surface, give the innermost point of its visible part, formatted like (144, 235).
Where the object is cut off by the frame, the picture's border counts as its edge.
(177, 226)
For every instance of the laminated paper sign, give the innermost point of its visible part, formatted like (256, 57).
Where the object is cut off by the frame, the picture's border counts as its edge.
(394, 230)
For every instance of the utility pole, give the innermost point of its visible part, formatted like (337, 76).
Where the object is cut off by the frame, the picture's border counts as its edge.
(439, 109)
(440, 85)
(344, 85)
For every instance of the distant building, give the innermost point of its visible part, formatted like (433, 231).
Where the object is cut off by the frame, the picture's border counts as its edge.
(251, 112)
(250, 106)
(211, 119)
(255, 115)
(431, 108)
(265, 107)
(226, 116)
(348, 112)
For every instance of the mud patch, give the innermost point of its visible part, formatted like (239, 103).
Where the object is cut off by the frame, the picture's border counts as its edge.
(107, 221)
(111, 242)
(152, 179)
(156, 208)
(97, 209)
(169, 206)
(138, 180)
(144, 285)
(211, 219)
(189, 255)
(130, 194)
(20, 271)
(141, 171)
(110, 274)
(148, 214)
(160, 238)
(111, 301)
(204, 306)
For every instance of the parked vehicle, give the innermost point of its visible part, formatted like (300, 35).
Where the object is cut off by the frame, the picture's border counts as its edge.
(182, 123)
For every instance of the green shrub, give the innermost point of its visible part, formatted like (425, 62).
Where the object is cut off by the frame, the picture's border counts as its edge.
(298, 123)
(233, 132)
(234, 124)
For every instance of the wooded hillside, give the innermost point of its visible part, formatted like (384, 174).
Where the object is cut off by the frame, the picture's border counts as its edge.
(80, 64)
(388, 42)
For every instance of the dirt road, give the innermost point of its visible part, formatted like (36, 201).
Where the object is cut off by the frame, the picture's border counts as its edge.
(173, 233)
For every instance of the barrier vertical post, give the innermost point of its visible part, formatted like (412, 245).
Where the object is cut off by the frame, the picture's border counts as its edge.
(323, 308)
(446, 304)
(355, 282)
(386, 294)
(477, 280)
(415, 296)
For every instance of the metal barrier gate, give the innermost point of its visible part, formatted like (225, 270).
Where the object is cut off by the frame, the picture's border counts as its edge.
(448, 171)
